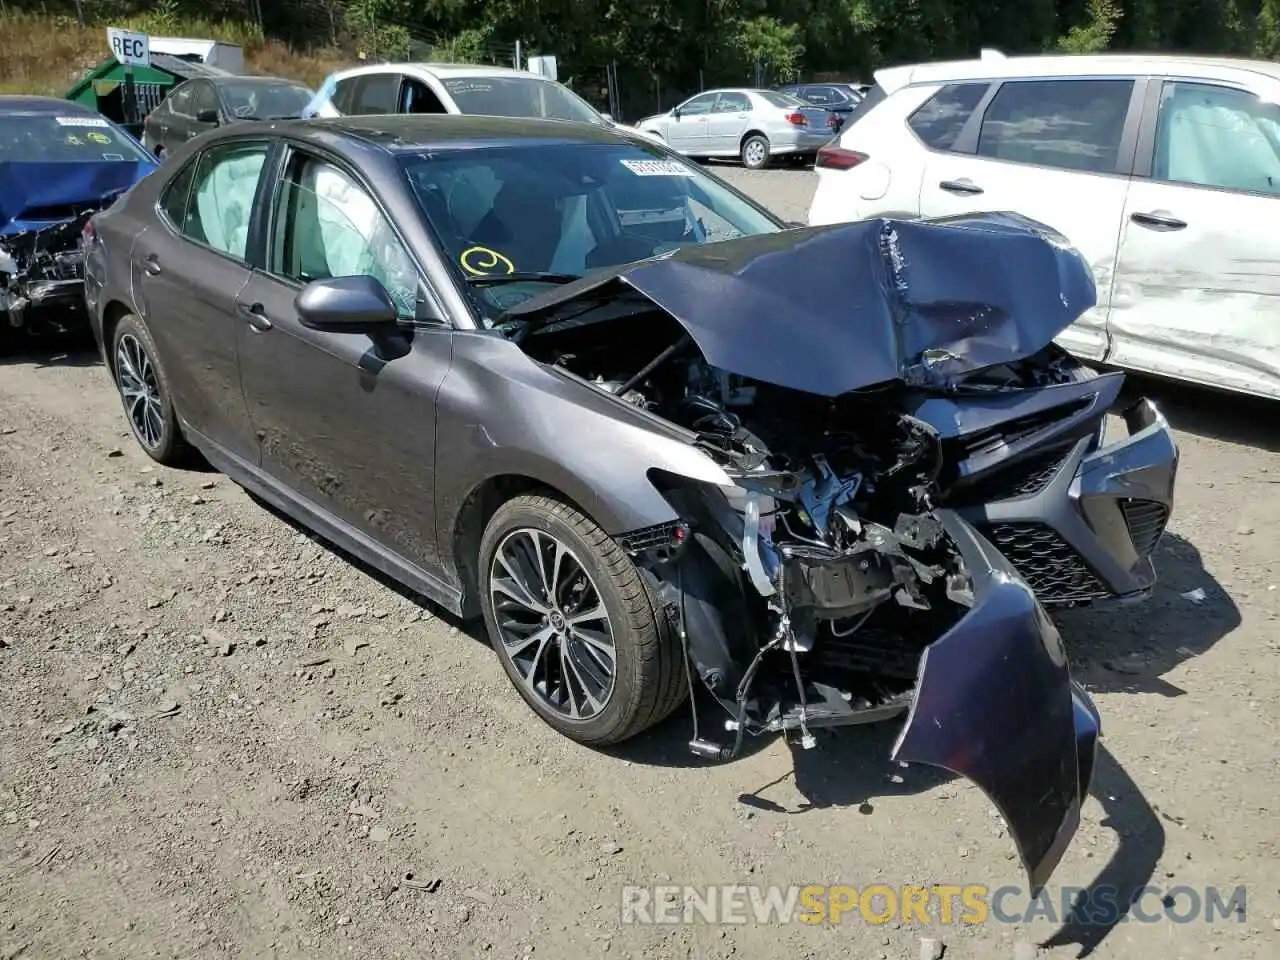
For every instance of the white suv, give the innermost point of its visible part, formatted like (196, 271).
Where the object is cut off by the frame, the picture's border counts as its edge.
(451, 88)
(1163, 171)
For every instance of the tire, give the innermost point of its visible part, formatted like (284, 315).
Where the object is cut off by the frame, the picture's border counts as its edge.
(647, 681)
(755, 152)
(151, 417)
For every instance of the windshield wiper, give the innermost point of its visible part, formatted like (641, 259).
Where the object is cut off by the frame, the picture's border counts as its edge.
(523, 277)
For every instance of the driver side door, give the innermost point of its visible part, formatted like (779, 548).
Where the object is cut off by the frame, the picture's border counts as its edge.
(687, 132)
(345, 421)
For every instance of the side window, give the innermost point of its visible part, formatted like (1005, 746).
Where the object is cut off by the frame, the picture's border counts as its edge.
(376, 94)
(180, 100)
(221, 202)
(1071, 124)
(1217, 137)
(203, 97)
(344, 95)
(417, 97)
(939, 120)
(328, 226)
(173, 201)
(698, 105)
(733, 103)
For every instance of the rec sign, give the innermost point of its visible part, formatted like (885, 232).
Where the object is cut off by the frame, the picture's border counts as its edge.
(129, 48)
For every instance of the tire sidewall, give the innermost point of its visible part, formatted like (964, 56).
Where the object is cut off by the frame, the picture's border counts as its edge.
(746, 147)
(170, 445)
(520, 514)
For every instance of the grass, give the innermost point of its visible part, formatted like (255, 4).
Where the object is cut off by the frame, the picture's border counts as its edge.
(47, 55)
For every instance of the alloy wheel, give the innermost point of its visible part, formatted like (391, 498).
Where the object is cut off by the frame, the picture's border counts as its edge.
(552, 623)
(755, 153)
(140, 391)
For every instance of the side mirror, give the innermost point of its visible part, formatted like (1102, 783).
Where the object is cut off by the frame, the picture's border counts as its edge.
(207, 116)
(346, 305)
(608, 118)
(675, 112)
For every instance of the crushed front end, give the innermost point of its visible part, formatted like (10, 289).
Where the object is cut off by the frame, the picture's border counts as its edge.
(884, 400)
(42, 276)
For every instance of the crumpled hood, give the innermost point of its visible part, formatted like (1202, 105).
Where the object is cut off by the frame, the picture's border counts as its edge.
(835, 308)
(36, 194)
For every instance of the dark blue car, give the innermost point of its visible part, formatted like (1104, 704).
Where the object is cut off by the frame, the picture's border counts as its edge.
(60, 163)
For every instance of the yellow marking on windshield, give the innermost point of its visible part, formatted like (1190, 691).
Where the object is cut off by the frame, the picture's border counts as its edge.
(98, 137)
(485, 261)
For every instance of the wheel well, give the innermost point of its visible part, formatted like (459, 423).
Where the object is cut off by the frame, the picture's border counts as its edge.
(749, 134)
(111, 316)
(479, 507)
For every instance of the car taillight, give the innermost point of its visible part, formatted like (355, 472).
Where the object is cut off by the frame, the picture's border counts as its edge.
(833, 122)
(89, 233)
(797, 119)
(838, 158)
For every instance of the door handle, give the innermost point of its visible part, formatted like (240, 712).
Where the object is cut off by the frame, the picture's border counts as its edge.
(256, 315)
(1158, 220)
(151, 265)
(961, 187)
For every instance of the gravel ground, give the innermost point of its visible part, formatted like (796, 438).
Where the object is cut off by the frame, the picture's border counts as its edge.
(220, 738)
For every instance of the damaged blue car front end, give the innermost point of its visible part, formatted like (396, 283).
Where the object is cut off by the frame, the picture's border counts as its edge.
(59, 165)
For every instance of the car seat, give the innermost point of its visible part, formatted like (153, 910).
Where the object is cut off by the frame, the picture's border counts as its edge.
(523, 225)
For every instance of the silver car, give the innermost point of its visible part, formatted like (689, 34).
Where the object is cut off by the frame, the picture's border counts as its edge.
(754, 125)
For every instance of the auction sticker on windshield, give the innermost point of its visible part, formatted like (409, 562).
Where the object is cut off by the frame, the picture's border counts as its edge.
(657, 168)
(81, 122)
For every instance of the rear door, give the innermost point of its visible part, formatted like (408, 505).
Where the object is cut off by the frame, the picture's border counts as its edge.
(375, 94)
(1059, 151)
(189, 270)
(727, 122)
(1197, 292)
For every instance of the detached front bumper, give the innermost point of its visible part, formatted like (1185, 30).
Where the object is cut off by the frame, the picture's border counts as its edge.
(995, 703)
(1089, 531)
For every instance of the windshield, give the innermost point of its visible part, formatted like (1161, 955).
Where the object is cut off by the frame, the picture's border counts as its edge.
(562, 210)
(781, 99)
(266, 101)
(519, 97)
(46, 137)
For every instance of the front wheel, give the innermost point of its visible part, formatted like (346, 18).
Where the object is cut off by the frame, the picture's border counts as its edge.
(755, 151)
(574, 625)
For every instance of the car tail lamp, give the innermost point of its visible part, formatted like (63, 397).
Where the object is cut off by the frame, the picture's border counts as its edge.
(838, 158)
(797, 119)
(88, 233)
(833, 122)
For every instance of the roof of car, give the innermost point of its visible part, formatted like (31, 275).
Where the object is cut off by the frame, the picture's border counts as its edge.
(998, 67)
(239, 80)
(23, 104)
(443, 71)
(413, 132)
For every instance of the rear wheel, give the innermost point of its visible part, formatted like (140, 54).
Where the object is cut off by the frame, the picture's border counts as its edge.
(755, 151)
(574, 625)
(144, 391)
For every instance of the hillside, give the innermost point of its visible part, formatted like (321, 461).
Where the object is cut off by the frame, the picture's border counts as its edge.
(47, 55)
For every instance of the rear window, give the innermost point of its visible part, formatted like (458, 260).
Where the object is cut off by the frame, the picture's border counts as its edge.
(939, 120)
(780, 99)
(869, 101)
(46, 138)
(266, 101)
(518, 97)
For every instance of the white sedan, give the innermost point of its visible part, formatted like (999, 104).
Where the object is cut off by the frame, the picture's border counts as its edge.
(753, 125)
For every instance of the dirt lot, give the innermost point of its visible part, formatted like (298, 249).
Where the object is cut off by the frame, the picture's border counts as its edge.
(220, 738)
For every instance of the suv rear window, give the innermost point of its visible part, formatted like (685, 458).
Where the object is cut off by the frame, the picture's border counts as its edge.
(939, 120)
(873, 98)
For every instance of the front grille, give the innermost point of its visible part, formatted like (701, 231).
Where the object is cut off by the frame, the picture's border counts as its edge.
(1146, 520)
(1024, 478)
(869, 650)
(1051, 567)
(1013, 431)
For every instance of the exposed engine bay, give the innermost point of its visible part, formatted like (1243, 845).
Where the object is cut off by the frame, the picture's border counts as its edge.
(806, 594)
(42, 267)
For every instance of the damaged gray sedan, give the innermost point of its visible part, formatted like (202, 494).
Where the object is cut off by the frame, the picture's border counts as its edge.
(565, 380)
